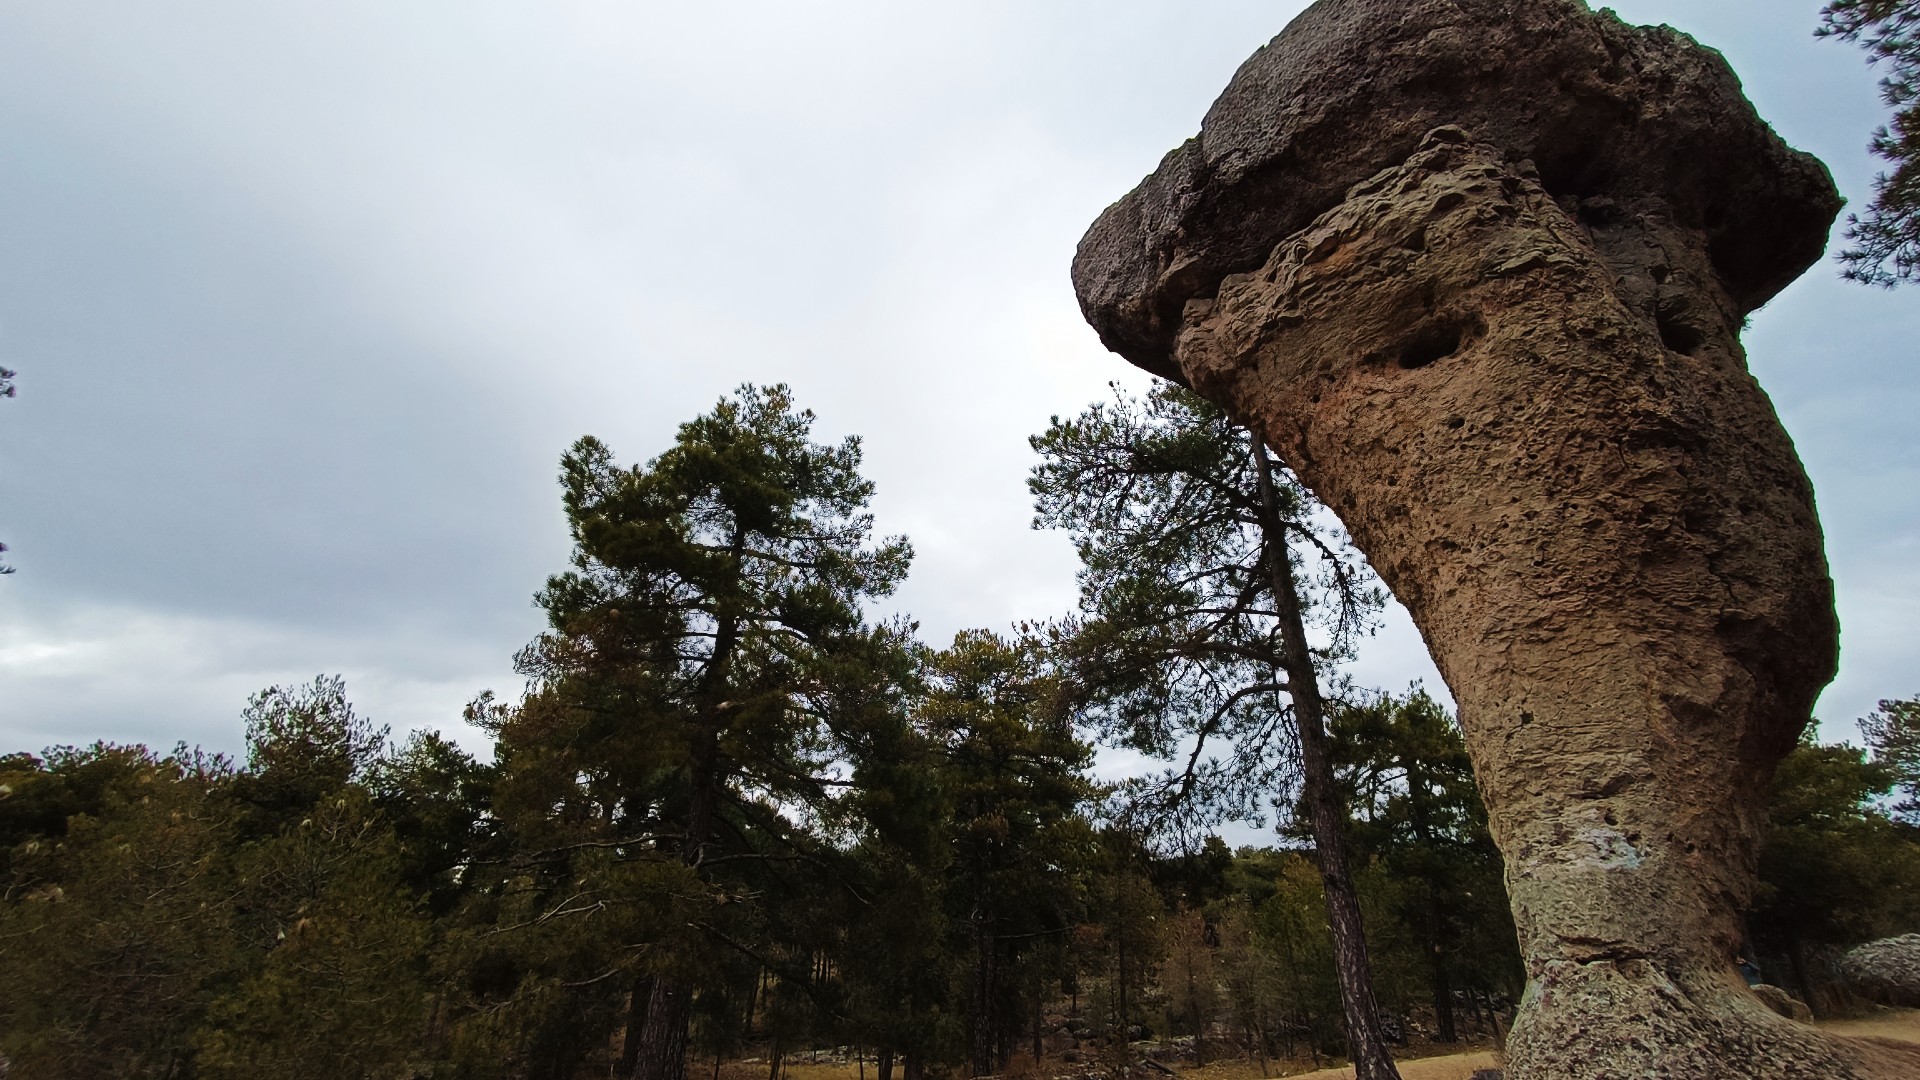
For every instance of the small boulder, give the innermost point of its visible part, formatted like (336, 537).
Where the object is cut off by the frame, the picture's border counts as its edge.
(1783, 1003)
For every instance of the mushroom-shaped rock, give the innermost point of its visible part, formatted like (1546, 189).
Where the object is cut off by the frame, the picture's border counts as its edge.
(1476, 270)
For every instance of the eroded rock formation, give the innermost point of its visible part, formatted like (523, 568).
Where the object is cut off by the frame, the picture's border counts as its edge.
(1476, 270)
(1886, 971)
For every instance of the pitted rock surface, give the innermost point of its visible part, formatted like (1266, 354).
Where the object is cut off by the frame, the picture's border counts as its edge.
(1606, 112)
(1504, 348)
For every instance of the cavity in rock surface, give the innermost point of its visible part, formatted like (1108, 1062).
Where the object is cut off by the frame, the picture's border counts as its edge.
(1476, 270)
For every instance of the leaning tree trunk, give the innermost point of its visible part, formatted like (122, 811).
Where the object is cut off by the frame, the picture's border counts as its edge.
(1325, 812)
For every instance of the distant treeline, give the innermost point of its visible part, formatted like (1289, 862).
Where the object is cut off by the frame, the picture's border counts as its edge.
(733, 816)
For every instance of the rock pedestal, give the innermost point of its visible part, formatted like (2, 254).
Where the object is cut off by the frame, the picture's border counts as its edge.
(1504, 347)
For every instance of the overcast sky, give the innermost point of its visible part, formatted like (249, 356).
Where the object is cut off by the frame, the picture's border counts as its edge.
(306, 299)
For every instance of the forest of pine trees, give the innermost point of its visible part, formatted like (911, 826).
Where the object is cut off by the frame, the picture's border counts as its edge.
(735, 823)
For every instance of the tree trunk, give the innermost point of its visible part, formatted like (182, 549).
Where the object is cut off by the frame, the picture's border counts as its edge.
(1420, 818)
(984, 999)
(1442, 996)
(1039, 1018)
(663, 1039)
(1125, 1045)
(663, 1054)
(1371, 1058)
(1197, 1016)
(637, 1002)
(1803, 974)
(883, 1064)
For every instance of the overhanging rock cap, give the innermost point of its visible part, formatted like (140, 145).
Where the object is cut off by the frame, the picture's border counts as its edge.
(1350, 87)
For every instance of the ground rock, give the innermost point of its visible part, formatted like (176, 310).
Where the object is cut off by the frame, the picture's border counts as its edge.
(1504, 347)
(1887, 971)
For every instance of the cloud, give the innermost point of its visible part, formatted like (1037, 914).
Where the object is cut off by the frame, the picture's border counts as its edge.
(307, 301)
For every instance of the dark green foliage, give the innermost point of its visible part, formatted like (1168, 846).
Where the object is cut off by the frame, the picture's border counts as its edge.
(304, 743)
(708, 689)
(340, 984)
(437, 799)
(1893, 734)
(1418, 818)
(120, 925)
(1011, 773)
(1886, 242)
(1834, 870)
(1177, 647)
(731, 802)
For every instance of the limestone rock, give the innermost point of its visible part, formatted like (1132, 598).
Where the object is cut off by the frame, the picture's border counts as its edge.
(1476, 270)
(1887, 971)
(1782, 1002)
(1605, 111)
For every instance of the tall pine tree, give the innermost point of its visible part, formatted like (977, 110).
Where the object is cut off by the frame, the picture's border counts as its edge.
(707, 664)
(1193, 627)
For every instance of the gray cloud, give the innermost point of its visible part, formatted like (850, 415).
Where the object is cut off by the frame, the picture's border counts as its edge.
(306, 302)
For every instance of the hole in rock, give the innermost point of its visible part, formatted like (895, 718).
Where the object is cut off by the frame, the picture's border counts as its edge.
(1678, 336)
(1435, 341)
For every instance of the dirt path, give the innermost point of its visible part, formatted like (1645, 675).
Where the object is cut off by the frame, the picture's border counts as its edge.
(1450, 1067)
(1904, 1025)
(1898, 1025)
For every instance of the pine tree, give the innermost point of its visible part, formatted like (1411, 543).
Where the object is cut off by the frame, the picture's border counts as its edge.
(1406, 774)
(1886, 242)
(117, 913)
(1893, 734)
(707, 664)
(1011, 771)
(1834, 871)
(1193, 627)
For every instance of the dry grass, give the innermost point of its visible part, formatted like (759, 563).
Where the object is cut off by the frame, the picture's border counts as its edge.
(789, 1070)
(1448, 1067)
(1904, 1025)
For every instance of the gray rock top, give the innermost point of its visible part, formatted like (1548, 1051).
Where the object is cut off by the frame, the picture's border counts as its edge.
(1612, 115)
(1887, 970)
